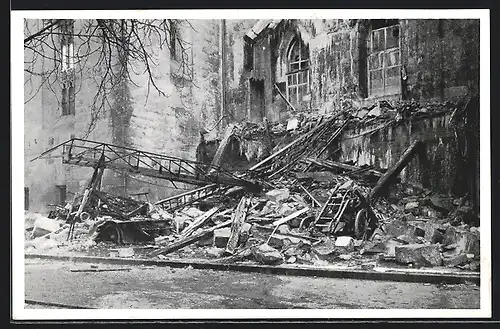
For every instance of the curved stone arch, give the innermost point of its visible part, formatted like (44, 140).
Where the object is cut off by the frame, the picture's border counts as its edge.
(284, 47)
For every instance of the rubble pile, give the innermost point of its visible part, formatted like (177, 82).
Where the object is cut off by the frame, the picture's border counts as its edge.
(309, 210)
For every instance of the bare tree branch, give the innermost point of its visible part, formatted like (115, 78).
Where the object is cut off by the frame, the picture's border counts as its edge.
(98, 44)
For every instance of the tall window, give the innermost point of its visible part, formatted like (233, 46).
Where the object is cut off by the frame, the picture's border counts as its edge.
(26, 198)
(384, 61)
(68, 98)
(67, 67)
(67, 45)
(181, 52)
(298, 71)
(61, 194)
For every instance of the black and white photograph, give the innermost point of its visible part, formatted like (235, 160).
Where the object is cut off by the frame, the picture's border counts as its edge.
(250, 164)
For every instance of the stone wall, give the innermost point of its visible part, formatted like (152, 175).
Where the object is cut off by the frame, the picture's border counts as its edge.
(137, 115)
(440, 59)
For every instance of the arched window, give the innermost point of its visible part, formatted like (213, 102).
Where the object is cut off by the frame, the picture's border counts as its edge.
(297, 71)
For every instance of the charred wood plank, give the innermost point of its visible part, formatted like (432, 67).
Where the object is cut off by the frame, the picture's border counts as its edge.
(238, 219)
(405, 158)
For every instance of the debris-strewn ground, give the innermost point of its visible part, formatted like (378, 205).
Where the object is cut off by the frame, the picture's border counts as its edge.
(309, 210)
(151, 287)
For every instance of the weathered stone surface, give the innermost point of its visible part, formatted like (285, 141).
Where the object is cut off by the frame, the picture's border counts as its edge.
(267, 255)
(390, 247)
(468, 243)
(455, 260)
(465, 241)
(399, 227)
(418, 254)
(326, 247)
(297, 249)
(221, 237)
(344, 243)
(442, 204)
(278, 241)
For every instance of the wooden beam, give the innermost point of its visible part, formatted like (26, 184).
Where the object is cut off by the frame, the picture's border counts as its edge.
(239, 216)
(405, 158)
(290, 217)
(283, 96)
(199, 222)
(179, 244)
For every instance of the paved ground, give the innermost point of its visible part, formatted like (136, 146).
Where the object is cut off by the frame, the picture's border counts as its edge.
(164, 287)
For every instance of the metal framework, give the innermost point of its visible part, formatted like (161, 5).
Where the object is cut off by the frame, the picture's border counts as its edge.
(181, 200)
(88, 153)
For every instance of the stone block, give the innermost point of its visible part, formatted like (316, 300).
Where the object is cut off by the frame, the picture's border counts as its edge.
(344, 243)
(267, 255)
(418, 254)
(326, 247)
(279, 241)
(455, 260)
(221, 237)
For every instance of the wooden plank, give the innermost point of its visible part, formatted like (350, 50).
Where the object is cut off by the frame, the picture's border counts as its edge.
(293, 143)
(282, 96)
(290, 217)
(238, 219)
(199, 222)
(405, 158)
(310, 195)
(189, 240)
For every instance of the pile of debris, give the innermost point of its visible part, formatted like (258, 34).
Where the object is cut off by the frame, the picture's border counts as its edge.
(309, 210)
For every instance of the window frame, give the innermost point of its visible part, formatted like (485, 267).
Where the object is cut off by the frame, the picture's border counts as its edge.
(60, 190)
(292, 74)
(67, 29)
(384, 68)
(68, 98)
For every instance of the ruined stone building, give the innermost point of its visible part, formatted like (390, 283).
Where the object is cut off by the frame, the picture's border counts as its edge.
(242, 71)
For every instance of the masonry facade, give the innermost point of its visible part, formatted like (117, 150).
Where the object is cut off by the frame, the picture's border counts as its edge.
(272, 69)
(324, 65)
(136, 116)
